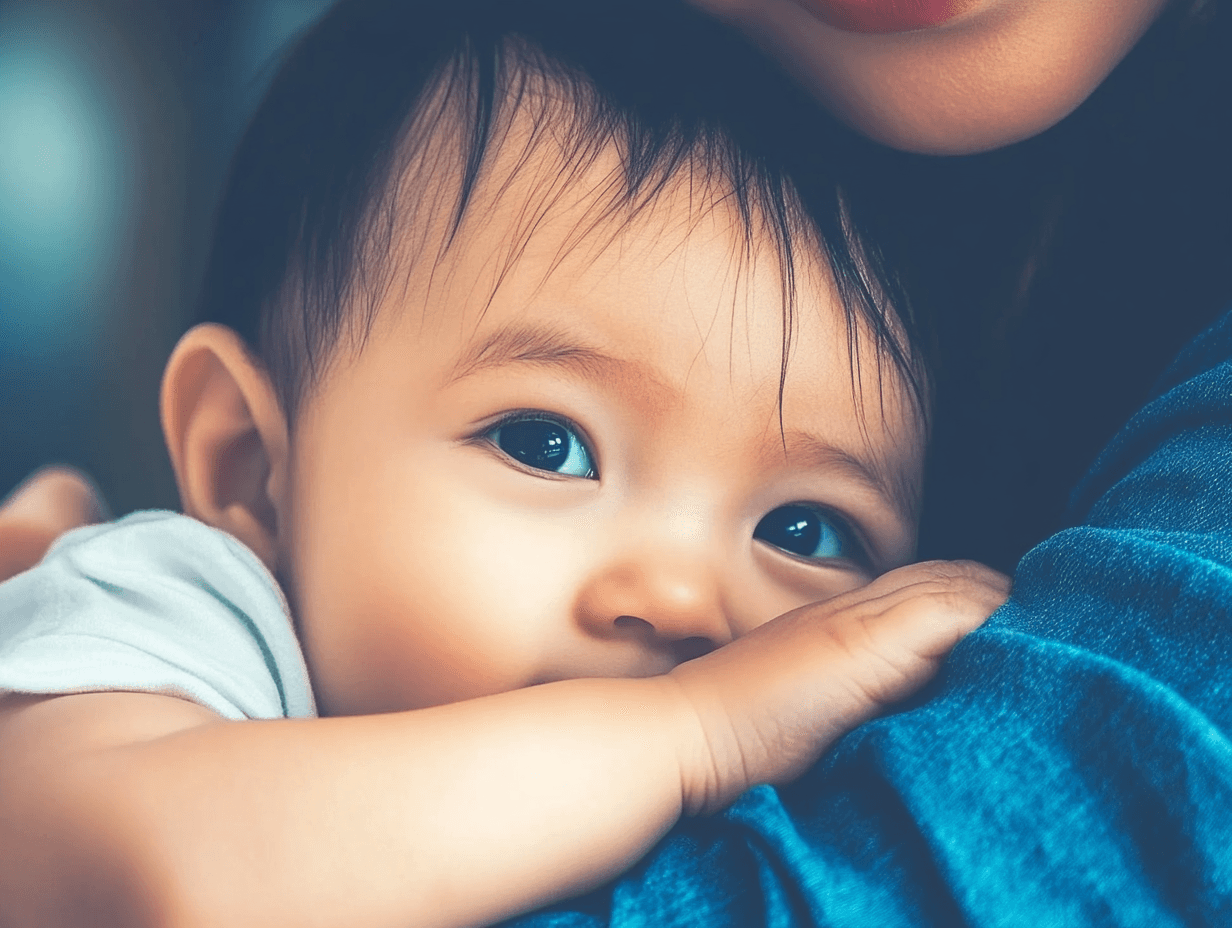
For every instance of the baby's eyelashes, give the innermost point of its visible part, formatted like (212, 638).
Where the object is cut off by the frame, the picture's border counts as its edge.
(544, 442)
(808, 532)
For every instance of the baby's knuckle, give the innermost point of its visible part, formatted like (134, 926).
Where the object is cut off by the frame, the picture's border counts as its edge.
(941, 571)
(962, 576)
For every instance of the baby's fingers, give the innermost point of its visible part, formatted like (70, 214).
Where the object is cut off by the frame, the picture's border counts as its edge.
(930, 606)
(964, 578)
(899, 636)
(770, 702)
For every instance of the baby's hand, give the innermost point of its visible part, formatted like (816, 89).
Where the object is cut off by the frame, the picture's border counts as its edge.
(770, 703)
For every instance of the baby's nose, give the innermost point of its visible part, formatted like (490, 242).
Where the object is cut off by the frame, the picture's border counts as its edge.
(667, 601)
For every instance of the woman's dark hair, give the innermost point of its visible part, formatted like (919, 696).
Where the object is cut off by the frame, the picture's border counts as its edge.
(302, 246)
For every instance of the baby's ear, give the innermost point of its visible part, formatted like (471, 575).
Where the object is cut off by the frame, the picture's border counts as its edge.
(227, 436)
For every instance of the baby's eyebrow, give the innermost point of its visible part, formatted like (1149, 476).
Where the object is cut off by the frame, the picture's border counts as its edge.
(808, 450)
(530, 344)
(543, 345)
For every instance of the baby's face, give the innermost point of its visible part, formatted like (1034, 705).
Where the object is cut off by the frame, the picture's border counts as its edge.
(584, 473)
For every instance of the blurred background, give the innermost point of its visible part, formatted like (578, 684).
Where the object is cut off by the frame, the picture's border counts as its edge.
(117, 120)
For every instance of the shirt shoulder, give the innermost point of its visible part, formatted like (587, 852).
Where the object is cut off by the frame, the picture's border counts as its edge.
(154, 602)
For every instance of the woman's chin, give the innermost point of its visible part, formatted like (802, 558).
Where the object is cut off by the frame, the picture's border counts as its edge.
(946, 77)
(883, 17)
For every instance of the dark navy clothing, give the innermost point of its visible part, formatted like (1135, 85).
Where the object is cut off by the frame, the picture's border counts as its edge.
(1070, 767)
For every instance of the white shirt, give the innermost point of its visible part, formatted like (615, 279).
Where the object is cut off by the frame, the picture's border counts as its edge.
(155, 602)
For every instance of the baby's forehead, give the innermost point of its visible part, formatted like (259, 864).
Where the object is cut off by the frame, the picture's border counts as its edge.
(551, 241)
(661, 298)
(560, 201)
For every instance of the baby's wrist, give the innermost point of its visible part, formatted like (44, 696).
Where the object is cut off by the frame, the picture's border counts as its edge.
(704, 739)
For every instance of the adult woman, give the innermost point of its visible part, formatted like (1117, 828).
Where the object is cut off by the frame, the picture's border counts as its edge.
(1055, 776)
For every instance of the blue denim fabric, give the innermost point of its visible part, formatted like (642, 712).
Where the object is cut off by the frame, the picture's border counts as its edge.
(1072, 766)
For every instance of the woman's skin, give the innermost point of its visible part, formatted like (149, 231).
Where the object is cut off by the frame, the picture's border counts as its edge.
(995, 72)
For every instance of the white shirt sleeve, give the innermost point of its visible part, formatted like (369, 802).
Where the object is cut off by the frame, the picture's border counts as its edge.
(155, 602)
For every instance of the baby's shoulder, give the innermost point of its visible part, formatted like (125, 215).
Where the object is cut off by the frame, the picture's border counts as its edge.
(154, 602)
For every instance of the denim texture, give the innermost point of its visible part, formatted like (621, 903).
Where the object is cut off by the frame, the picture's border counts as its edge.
(1070, 767)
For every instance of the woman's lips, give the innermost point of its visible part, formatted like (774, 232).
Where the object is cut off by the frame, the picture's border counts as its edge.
(887, 15)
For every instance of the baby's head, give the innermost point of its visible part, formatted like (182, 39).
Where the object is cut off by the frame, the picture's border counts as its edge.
(542, 351)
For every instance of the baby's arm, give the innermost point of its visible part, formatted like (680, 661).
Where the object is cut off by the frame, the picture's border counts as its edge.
(135, 809)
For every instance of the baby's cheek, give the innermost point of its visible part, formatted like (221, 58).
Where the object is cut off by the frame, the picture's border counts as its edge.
(451, 602)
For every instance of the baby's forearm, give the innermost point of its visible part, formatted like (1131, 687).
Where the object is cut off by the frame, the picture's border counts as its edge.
(457, 815)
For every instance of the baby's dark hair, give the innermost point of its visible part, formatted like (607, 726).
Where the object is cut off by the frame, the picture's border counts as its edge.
(302, 248)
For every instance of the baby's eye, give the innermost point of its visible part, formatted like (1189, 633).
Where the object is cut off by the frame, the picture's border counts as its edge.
(545, 444)
(805, 532)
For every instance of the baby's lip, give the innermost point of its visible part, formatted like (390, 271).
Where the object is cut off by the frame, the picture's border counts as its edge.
(887, 16)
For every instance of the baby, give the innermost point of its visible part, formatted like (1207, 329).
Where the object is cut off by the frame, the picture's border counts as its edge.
(531, 496)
